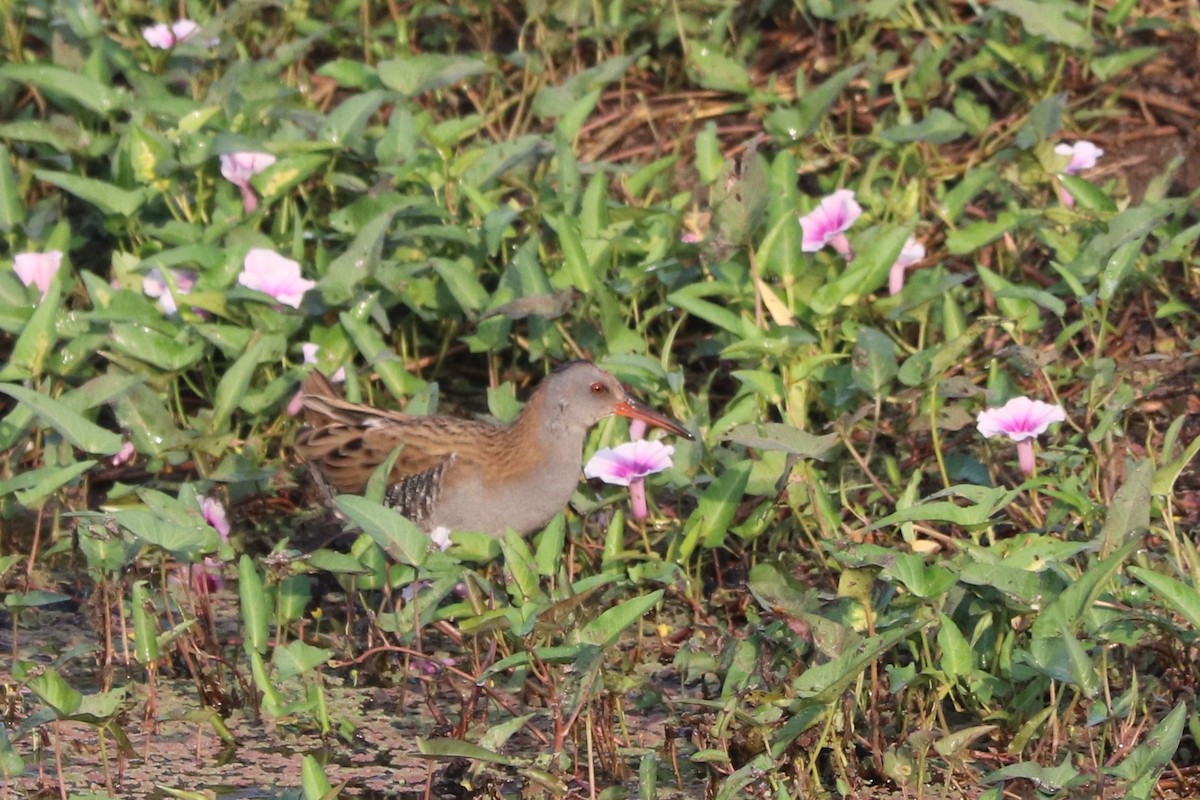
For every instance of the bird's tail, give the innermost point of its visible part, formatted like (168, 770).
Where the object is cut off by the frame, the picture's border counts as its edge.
(325, 406)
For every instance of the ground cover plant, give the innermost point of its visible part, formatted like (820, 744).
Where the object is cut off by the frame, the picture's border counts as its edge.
(920, 276)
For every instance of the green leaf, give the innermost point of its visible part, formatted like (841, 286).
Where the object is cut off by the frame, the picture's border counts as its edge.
(1108, 66)
(1049, 19)
(314, 781)
(460, 279)
(349, 73)
(606, 629)
(154, 348)
(187, 538)
(335, 562)
(483, 169)
(457, 748)
(978, 234)
(1088, 196)
(235, 383)
(255, 608)
(37, 338)
(345, 124)
(107, 197)
(956, 659)
(55, 692)
(11, 763)
(549, 555)
(575, 262)
(33, 598)
(875, 252)
(1048, 779)
(873, 363)
(710, 522)
(826, 682)
(427, 71)
(984, 503)
(1014, 304)
(87, 436)
(12, 211)
(690, 299)
(395, 533)
(1118, 266)
(938, 127)
(923, 580)
(1180, 597)
(145, 627)
(298, 658)
(1166, 475)
(784, 437)
(285, 174)
(525, 587)
(71, 84)
(1132, 224)
(1068, 608)
(1152, 755)
(346, 273)
(554, 101)
(1080, 667)
(715, 70)
(794, 124)
(1129, 512)
(1043, 122)
(33, 486)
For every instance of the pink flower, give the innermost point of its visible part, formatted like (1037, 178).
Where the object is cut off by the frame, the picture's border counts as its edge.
(1021, 420)
(268, 272)
(627, 465)
(164, 36)
(214, 515)
(239, 168)
(826, 224)
(912, 252)
(154, 284)
(37, 269)
(310, 350)
(124, 454)
(440, 537)
(207, 577)
(1084, 155)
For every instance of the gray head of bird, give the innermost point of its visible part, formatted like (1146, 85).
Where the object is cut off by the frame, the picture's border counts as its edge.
(579, 394)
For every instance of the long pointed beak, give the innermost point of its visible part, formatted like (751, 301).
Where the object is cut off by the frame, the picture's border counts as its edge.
(634, 410)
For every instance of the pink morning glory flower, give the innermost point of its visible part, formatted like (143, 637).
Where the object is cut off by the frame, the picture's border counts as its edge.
(628, 464)
(164, 36)
(154, 284)
(912, 252)
(207, 577)
(268, 272)
(1084, 155)
(439, 537)
(37, 269)
(1021, 420)
(124, 454)
(214, 515)
(239, 168)
(826, 224)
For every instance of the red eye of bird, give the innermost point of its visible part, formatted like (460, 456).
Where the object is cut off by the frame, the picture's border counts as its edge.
(599, 388)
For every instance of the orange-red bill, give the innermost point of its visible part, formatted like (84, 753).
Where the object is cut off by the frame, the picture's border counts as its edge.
(634, 410)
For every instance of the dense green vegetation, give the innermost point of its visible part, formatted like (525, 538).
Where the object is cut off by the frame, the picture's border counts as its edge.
(842, 584)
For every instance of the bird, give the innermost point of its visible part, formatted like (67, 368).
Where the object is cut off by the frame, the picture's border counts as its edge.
(469, 475)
